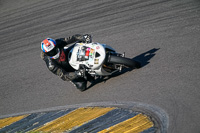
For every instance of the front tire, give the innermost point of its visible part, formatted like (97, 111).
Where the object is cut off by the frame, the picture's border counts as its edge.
(124, 61)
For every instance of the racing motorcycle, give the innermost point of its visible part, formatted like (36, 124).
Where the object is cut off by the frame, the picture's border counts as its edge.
(98, 59)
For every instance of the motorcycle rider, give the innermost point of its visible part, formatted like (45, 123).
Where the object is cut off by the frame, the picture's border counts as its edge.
(54, 53)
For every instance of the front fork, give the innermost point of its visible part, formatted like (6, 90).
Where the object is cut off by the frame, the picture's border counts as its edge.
(116, 66)
(121, 66)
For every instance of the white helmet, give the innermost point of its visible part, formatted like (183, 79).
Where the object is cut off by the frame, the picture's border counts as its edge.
(49, 47)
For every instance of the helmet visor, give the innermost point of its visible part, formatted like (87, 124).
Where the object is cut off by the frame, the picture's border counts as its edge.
(53, 52)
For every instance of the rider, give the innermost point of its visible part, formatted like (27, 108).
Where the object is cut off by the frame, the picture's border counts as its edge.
(54, 53)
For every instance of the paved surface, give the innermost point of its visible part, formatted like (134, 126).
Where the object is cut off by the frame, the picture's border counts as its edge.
(162, 34)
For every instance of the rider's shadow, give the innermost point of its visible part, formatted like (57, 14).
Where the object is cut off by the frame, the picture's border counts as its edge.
(143, 58)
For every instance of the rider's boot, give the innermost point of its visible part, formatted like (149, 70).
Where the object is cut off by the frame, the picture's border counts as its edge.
(90, 78)
(80, 84)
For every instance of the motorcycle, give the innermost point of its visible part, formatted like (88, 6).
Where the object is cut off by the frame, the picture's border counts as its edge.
(98, 59)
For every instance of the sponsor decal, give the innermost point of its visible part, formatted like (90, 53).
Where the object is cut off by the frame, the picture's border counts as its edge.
(46, 43)
(98, 47)
(91, 53)
(96, 61)
(62, 56)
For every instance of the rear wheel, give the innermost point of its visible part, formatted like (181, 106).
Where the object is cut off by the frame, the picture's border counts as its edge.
(123, 61)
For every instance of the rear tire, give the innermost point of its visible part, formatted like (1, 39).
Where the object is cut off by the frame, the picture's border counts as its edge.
(124, 61)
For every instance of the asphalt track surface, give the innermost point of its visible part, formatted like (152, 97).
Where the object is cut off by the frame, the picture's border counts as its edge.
(162, 34)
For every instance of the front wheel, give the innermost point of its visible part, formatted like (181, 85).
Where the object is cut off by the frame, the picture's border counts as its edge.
(124, 61)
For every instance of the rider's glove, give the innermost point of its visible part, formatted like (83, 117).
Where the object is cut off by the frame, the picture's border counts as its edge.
(79, 38)
(88, 38)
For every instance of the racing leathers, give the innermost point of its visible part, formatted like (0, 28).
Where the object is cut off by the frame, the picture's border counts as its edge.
(61, 66)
